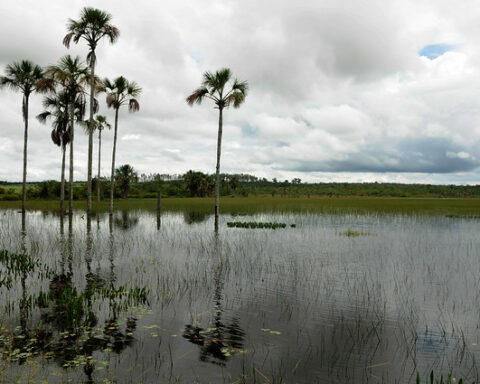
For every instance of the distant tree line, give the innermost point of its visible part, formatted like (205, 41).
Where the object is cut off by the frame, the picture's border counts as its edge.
(127, 183)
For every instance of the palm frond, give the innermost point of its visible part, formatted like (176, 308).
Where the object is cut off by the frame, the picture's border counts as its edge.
(133, 105)
(55, 137)
(42, 117)
(7, 82)
(241, 86)
(112, 100)
(45, 85)
(133, 89)
(68, 38)
(91, 58)
(235, 98)
(96, 105)
(112, 33)
(197, 96)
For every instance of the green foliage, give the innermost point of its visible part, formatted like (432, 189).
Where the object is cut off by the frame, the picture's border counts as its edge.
(124, 176)
(198, 184)
(14, 265)
(439, 380)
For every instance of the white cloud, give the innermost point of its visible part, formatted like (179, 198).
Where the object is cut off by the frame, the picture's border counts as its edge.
(333, 87)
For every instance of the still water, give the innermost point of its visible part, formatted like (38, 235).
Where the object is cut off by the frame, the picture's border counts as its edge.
(145, 299)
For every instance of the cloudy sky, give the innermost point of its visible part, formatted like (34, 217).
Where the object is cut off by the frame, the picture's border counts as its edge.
(355, 90)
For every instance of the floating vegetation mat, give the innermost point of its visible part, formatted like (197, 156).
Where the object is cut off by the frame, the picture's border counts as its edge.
(353, 233)
(255, 225)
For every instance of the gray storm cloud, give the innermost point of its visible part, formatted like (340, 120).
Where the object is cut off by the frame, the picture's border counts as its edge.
(337, 90)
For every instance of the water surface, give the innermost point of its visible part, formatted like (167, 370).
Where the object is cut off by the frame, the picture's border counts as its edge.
(340, 298)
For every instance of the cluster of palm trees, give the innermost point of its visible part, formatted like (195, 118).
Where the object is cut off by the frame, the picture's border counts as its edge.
(66, 87)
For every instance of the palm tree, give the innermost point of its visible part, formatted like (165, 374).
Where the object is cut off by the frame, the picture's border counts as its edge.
(92, 26)
(100, 124)
(72, 75)
(120, 92)
(57, 108)
(23, 76)
(214, 88)
(124, 175)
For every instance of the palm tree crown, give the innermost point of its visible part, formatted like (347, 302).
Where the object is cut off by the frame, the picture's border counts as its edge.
(92, 26)
(213, 87)
(120, 91)
(22, 76)
(70, 73)
(57, 109)
(101, 123)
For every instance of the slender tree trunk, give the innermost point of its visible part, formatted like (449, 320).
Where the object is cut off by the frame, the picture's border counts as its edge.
(217, 172)
(99, 156)
(112, 175)
(90, 134)
(70, 176)
(25, 140)
(62, 186)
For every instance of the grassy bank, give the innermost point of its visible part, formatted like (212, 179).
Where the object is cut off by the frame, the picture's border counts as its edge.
(469, 207)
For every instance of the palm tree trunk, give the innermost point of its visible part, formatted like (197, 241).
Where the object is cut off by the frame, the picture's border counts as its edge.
(70, 176)
(62, 187)
(90, 134)
(112, 175)
(217, 172)
(99, 156)
(25, 140)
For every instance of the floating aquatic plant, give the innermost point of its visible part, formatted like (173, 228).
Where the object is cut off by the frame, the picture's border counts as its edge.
(255, 225)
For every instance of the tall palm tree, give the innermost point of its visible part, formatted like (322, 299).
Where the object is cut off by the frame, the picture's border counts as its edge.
(23, 76)
(214, 87)
(92, 26)
(72, 76)
(57, 108)
(100, 124)
(120, 92)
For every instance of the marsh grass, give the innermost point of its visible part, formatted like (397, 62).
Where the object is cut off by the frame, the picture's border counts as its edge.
(286, 306)
(252, 205)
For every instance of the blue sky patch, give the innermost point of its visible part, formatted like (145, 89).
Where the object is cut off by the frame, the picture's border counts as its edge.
(433, 51)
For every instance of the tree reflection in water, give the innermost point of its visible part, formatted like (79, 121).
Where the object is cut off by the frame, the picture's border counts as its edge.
(125, 220)
(69, 332)
(195, 217)
(222, 338)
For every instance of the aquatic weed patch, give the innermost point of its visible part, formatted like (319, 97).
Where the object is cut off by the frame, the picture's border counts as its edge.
(353, 233)
(256, 225)
(16, 265)
(463, 216)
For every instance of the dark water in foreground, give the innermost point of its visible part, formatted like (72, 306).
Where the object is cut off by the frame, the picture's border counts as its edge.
(338, 299)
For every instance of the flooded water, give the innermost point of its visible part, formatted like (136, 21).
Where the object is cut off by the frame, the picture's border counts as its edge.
(145, 299)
